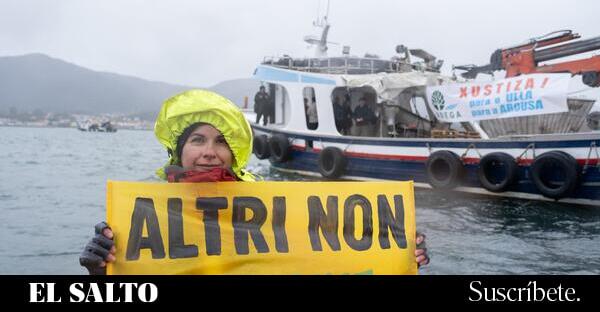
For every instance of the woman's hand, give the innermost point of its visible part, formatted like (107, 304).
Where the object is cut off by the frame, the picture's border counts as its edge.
(421, 255)
(99, 250)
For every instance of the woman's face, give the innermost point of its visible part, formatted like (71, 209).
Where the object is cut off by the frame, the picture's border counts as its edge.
(206, 149)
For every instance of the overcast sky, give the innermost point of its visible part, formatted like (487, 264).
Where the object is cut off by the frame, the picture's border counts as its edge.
(200, 43)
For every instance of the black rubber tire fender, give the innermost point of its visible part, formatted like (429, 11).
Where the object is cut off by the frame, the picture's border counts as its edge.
(550, 162)
(260, 147)
(444, 170)
(332, 162)
(279, 147)
(494, 160)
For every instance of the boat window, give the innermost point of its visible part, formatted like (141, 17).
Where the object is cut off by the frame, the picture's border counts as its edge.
(356, 111)
(342, 110)
(282, 103)
(272, 108)
(310, 108)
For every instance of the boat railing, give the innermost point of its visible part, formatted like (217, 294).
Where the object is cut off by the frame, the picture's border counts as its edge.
(341, 65)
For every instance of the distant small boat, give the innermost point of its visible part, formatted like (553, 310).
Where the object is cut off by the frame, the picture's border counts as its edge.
(94, 127)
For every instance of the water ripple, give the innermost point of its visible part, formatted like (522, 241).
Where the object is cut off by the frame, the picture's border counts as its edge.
(46, 254)
(57, 193)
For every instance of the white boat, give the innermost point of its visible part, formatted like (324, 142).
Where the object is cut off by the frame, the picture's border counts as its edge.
(532, 157)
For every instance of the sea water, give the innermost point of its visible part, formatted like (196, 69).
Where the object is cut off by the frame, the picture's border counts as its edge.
(53, 189)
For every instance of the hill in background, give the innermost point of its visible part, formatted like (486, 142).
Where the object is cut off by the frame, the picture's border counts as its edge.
(37, 82)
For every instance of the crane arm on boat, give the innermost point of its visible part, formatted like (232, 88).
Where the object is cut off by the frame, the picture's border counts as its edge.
(526, 58)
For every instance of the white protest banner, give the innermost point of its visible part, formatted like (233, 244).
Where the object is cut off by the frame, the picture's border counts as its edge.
(524, 95)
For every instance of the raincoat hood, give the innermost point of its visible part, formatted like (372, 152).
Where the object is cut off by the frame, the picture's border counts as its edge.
(187, 108)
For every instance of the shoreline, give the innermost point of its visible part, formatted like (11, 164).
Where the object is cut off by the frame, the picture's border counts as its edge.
(59, 127)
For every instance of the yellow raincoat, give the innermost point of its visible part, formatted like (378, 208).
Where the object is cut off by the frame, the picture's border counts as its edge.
(187, 108)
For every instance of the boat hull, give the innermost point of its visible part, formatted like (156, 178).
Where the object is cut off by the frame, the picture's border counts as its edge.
(406, 159)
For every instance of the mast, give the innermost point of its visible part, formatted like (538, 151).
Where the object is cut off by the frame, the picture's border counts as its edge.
(320, 44)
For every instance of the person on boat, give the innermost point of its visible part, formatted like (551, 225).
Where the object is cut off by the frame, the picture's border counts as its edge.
(208, 140)
(312, 120)
(347, 113)
(364, 119)
(261, 105)
(342, 115)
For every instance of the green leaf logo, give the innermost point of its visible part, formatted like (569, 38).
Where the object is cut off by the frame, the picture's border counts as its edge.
(437, 99)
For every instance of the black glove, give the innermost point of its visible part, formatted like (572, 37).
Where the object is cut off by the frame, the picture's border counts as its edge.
(96, 251)
(423, 245)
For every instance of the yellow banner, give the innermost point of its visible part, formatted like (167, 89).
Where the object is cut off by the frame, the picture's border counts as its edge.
(262, 227)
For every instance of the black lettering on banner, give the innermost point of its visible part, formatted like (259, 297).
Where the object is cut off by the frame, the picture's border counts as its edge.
(177, 247)
(279, 213)
(349, 222)
(328, 222)
(212, 231)
(241, 227)
(144, 212)
(387, 220)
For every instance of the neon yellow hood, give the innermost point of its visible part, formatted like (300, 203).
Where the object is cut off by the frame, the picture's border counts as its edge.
(187, 108)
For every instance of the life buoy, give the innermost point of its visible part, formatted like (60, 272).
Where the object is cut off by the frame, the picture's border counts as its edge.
(332, 162)
(444, 170)
(555, 174)
(261, 147)
(279, 148)
(497, 171)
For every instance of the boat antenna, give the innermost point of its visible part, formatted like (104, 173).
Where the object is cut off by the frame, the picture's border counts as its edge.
(316, 21)
(321, 22)
(320, 43)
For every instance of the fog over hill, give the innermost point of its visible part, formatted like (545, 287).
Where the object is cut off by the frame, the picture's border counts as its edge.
(39, 82)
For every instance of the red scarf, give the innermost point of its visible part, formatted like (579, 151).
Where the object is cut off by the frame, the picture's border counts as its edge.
(178, 174)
